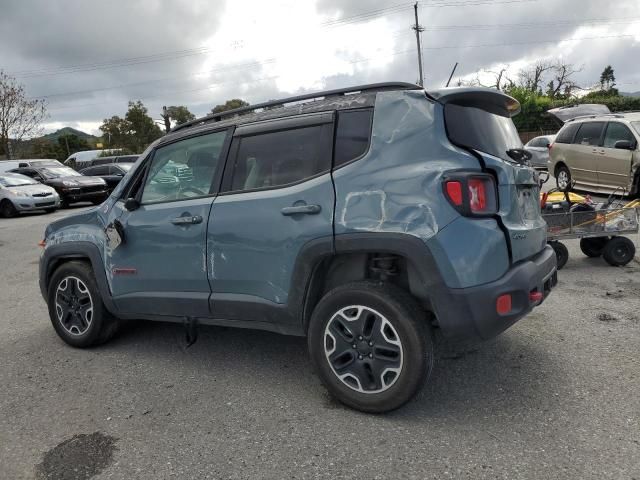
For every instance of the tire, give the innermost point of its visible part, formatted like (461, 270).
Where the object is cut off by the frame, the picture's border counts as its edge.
(563, 178)
(562, 254)
(592, 247)
(390, 331)
(72, 293)
(7, 209)
(619, 251)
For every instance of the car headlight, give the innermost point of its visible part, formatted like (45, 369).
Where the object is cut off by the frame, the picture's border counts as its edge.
(18, 193)
(69, 183)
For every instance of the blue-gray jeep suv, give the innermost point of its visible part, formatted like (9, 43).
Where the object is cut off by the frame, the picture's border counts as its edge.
(361, 218)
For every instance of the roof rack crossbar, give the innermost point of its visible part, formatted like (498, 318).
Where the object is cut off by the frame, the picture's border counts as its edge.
(615, 115)
(309, 96)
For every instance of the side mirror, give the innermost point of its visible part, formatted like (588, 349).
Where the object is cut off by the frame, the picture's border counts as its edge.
(131, 204)
(624, 145)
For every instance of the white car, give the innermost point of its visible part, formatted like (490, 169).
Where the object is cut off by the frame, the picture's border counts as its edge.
(19, 193)
(539, 148)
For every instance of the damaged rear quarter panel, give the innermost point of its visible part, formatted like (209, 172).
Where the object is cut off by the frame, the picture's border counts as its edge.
(397, 188)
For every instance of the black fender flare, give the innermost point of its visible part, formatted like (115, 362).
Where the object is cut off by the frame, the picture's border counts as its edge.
(54, 255)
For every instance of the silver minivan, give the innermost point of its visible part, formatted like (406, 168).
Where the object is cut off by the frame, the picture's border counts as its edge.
(598, 153)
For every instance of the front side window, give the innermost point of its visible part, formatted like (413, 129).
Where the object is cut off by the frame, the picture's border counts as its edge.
(589, 134)
(184, 169)
(280, 158)
(616, 132)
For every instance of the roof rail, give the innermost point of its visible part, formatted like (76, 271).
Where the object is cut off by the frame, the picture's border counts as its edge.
(309, 96)
(615, 115)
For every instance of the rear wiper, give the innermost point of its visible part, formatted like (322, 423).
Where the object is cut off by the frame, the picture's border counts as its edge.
(520, 155)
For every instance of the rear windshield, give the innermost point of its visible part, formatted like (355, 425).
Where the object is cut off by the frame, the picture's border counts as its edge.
(475, 128)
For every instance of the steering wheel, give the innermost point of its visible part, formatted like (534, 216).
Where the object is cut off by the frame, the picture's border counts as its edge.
(195, 190)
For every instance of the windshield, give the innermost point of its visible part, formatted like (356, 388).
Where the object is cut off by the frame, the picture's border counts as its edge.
(55, 172)
(636, 125)
(478, 129)
(17, 181)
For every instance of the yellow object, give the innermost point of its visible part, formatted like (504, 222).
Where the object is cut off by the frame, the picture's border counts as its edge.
(559, 197)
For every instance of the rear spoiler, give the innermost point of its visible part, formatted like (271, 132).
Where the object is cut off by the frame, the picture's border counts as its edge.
(487, 99)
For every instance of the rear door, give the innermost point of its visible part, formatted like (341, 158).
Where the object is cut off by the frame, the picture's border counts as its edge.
(277, 197)
(614, 165)
(583, 156)
(161, 266)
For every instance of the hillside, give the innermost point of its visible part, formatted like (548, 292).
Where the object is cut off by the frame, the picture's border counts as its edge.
(53, 137)
(630, 94)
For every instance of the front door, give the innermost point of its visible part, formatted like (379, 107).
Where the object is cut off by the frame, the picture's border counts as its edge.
(278, 197)
(614, 165)
(161, 267)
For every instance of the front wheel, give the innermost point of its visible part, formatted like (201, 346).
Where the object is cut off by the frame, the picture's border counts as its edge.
(7, 209)
(371, 344)
(75, 308)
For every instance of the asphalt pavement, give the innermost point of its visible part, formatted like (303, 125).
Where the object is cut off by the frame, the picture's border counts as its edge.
(556, 396)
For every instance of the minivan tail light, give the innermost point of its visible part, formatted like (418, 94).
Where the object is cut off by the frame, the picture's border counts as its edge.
(472, 194)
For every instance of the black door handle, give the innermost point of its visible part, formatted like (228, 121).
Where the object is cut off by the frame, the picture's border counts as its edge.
(187, 220)
(301, 209)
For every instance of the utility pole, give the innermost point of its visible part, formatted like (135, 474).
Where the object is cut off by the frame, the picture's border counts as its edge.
(419, 29)
(167, 119)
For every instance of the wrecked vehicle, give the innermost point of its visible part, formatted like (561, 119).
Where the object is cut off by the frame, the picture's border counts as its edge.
(362, 218)
(597, 152)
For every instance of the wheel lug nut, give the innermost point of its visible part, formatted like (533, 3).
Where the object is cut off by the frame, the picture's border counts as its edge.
(354, 346)
(359, 357)
(371, 355)
(371, 344)
(360, 337)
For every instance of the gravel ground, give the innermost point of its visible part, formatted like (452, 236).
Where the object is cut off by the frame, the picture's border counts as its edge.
(556, 396)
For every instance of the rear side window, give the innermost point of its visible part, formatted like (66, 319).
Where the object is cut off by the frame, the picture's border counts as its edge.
(589, 133)
(353, 135)
(481, 130)
(274, 159)
(616, 132)
(567, 133)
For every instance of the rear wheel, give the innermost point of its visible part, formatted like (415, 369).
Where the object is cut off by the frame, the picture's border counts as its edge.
(592, 247)
(562, 254)
(563, 178)
(75, 308)
(619, 251)
(7, 209)
(371, 345)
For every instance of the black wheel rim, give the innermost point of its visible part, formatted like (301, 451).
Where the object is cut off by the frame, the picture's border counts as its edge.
(363, 349)
(74, 305)
(621, 252)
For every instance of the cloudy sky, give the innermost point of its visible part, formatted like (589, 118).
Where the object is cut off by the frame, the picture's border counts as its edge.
(88, 58)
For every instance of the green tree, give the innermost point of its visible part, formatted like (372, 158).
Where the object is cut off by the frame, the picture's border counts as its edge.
(142, 128)
(607, 79)
(178, 114)
(230, 105)
(133, 132)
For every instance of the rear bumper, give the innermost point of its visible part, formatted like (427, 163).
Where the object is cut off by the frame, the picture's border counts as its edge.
(471, 312)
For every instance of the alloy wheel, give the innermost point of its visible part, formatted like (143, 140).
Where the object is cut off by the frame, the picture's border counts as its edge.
(74, 305)
(363, 349)
(563, 179)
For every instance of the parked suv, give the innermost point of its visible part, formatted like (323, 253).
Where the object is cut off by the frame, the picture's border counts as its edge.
(598, 153)
(363, 220)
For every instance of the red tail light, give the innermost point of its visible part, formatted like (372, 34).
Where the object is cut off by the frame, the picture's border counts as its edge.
(503, 304)
(472, 194)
